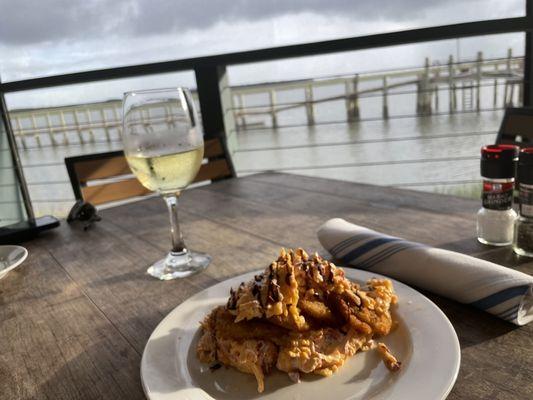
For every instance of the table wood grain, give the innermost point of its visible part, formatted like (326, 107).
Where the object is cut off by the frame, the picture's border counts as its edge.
(75, 317)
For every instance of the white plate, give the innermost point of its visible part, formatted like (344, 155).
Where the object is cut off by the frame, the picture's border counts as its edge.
(10, 258)
(424, 341)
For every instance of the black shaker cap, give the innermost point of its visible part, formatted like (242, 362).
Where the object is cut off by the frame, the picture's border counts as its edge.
(525, 166)
(498, 161)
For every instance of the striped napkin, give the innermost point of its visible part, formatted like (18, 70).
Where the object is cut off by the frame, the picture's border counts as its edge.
(498, 290)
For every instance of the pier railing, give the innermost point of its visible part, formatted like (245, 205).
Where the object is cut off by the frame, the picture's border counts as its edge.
(215, 95)
(464, 79)
(461, 81)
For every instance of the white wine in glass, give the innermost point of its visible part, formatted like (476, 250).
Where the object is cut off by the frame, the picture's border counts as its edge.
(167, 172)
(164, 147)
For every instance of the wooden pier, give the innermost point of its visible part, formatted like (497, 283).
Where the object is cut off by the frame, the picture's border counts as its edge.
(465, 79)
(462, 81)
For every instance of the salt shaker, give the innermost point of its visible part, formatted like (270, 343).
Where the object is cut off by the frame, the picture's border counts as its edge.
(523, 234)
(495, 220)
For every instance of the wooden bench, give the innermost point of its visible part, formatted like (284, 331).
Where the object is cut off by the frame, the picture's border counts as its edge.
(106, 177)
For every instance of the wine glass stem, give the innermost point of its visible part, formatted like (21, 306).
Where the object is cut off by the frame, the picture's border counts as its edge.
(178, 246)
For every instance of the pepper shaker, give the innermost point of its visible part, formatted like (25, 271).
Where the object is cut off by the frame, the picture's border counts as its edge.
(495, 220)
(523, 234)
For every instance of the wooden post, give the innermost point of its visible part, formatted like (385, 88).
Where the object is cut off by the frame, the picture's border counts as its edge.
(495, 99)
(34, 127)
(427, 88)
(352, 101)
(436, 88)
(471, 96)
(451, 89)
(463, 95)
(89, 123)
(479, 66)
(309, 104)
(143, 122)
(104, 124)
(419, 95)
(50, 130)
(273, 116)
(118, 120)
(450, 83)
(64, 123)
(508, 88)
(233, 110)
(385, 103)
(18, 130)
(78, 129)
(242, 116)
(424, 91)
(505, 89)
(356, 97)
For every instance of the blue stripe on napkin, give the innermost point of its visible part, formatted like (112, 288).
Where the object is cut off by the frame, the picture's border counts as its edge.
(339, 247)
(365, 248)
(499, 297)
(509, 312)
(381, 256)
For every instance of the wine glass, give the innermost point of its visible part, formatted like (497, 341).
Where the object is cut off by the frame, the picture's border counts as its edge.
(164, 147)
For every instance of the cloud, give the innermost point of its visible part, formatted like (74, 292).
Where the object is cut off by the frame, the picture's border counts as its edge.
(36, 21)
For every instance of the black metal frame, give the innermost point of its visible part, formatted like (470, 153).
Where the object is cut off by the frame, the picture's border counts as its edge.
(504, 136)
(30, 227)
(211, 69)
(528, 62)
(4, 116)
(454, 31)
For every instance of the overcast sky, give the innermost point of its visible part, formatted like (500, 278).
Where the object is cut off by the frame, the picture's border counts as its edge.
(46, 37)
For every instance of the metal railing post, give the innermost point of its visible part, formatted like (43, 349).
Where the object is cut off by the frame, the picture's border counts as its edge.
(214, 96)
(4, 115)
(528, 62)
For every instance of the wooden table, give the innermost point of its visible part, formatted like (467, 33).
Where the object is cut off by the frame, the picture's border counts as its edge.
(75, 317)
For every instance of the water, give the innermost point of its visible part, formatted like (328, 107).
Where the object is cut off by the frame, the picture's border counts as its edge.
(408, 152)
(434, 153)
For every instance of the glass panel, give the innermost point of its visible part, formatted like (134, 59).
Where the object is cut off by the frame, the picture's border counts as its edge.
(48, 38)
(65, 121)
(11, 204)
(389, 116)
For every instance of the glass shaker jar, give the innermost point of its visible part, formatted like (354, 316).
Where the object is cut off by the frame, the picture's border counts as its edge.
(523, 234)
(495, 220)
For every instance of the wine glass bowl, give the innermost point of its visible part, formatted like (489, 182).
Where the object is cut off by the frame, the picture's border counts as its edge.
(164, 147)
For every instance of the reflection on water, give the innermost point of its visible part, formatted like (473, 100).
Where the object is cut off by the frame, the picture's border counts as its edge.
(436, 153)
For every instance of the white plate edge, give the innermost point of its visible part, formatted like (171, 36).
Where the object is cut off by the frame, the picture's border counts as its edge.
(455, 339)
(4, 272)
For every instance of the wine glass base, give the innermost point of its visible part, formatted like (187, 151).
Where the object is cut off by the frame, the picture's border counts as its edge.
(179, 265)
